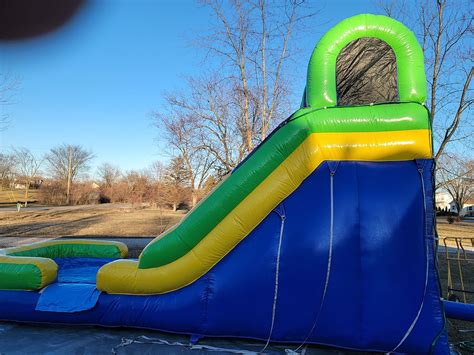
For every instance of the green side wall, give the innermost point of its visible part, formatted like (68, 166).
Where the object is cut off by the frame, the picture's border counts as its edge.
(19, 277)
(71, 251)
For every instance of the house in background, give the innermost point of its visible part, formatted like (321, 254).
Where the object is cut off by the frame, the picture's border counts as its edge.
(468, 209)
(445, 202)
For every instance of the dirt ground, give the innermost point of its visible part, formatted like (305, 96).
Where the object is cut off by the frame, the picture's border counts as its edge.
(461, 333)
(38, 223)
(114, 220)
(458, 229)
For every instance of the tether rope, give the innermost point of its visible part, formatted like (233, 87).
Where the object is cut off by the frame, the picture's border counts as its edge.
(413, 323)
(328, 272)
(143, 339)
(282, 216)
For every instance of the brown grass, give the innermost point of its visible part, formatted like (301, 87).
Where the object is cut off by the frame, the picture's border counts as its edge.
(10, 197)
(459, 331)
(459, 229)
(30, 225)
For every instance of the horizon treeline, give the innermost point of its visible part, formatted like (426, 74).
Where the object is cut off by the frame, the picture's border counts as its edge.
(63, 177)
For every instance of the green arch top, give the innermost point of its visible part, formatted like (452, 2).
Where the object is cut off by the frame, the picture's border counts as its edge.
(321, 79)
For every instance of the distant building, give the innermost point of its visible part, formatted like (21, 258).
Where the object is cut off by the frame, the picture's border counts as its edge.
(443, 201)
(18, 186)
(468, 210)
(34, 184)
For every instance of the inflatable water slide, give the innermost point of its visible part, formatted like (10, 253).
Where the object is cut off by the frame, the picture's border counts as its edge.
(324, 234)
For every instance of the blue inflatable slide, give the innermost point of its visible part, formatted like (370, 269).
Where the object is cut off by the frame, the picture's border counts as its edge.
(324, 234)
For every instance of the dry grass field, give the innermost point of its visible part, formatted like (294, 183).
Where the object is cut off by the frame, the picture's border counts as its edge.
(10, 197)
(37, 223)
(460, 229)
(461, 334)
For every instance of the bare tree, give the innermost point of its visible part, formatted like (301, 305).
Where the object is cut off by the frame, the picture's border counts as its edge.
(109, 174)
(221, 115)
(156, 171)
(203, 127)
(7, 169)
(456, 176)
(27, 167)
(8, 86)
(138, 186)
(176, 182)
(253, 39)
(183, 139)
(66, 162)
(444, 29)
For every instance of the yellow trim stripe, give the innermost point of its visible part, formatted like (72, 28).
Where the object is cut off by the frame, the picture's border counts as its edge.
(124, 277)
(47, 267)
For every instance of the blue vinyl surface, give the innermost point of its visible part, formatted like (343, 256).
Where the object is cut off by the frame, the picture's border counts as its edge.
(79, 270)
(68, 298)
(382, 289)
(75, 289)
(458, 310)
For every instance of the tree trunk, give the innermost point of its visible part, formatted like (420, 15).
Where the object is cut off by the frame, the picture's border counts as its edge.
(193, 199)
(264, 72)
(27, 189)
(69, 177)
(434, 78)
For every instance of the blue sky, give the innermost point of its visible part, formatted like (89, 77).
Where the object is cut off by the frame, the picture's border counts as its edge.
(95, 81)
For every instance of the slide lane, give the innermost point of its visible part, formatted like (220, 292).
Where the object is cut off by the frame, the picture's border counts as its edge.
(275, 169)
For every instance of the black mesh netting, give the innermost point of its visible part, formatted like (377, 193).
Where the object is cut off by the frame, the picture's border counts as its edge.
(366, 72)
